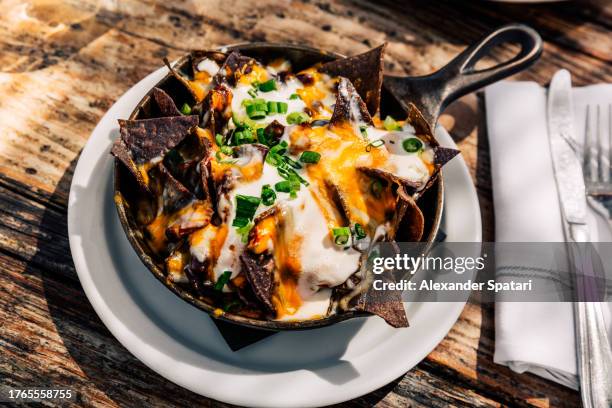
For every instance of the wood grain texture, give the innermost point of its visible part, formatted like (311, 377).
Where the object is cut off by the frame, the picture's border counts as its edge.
(62, 67)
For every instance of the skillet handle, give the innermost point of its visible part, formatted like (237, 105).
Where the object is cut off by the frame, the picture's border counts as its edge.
(459, 76)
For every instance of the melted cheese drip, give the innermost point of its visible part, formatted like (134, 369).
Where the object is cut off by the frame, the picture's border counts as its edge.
(344, 151)
(305, 256)
(318, 96)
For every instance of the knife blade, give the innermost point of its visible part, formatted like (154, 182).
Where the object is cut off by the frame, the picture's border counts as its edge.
(566, 164)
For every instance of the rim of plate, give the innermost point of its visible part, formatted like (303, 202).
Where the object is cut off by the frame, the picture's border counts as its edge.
(158, 359)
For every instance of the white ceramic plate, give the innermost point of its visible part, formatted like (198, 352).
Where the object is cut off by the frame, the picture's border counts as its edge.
(181, 343)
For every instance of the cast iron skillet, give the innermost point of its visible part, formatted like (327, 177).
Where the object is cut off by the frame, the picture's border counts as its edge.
(429, 93)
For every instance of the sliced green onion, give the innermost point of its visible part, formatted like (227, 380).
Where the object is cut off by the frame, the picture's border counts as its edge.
(240, 222)
(282, 107)
(374, 143)
(285, 165)
(364, 131)
(412, 145)
(244, 232)
(254, 111)
(267, 195)
(272, 107)
(278, 149)
(290, 174)
(236, 120)
(376, 188)
(238, 137)
(245, 209)
(260, 104)
(261, 137)
(391, 124)
(245, 201)
(243, 136)
(248, 102)
(222, 160)
(269, 85)
(186, 109)
(258, 115)
(283, 186)
(252, 93)
(291, 162)
(226, 150)
(273, 159)
(297, 118)
(219, 139)
(294, 96)
(359, 231)
(310, 157)
(341, 235)
(223, 279)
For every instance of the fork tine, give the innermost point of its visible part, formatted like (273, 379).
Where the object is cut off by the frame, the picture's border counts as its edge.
(604, 163)
(609, 168)
(590, 150)
(591, 147)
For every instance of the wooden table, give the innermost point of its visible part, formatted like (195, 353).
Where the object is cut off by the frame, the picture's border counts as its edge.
(61, 67)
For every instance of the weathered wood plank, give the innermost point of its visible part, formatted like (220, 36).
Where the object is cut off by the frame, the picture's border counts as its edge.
(51, 336)
(467, 354)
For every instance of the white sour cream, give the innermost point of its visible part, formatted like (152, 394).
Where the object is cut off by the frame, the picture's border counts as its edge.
(410, 166)
(323, 263)
(209, 66)
(233, 246)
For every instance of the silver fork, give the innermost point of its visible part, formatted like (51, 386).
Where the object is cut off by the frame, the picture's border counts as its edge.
(593, 347)
(598, 156)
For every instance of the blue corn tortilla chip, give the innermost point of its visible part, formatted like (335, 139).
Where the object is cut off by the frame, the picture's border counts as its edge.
(149, 139)
(349, 106)
(409, 217)
(259, 271)
(234, 66)
(365, 71)
(165, 103)
(122, 153)
(387, 304)
(175, 194)
(443, 155)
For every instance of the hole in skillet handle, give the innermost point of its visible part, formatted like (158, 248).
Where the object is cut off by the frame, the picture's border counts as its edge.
(435, 91)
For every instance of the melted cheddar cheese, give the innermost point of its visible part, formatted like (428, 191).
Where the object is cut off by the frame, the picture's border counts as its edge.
(334, 193)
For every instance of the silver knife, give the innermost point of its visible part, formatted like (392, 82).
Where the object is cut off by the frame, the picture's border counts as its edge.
(592, 346)
(567, 166)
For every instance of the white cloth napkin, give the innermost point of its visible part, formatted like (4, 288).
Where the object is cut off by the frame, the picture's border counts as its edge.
(534, 337)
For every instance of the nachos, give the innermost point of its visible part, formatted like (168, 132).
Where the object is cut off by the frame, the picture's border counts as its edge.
(262, 188)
